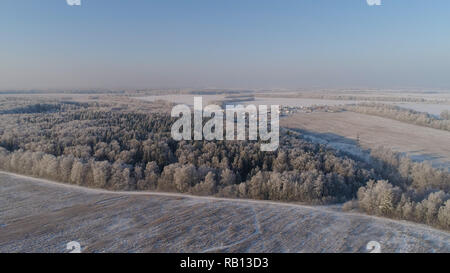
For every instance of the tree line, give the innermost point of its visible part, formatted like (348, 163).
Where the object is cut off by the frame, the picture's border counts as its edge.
(402, 114)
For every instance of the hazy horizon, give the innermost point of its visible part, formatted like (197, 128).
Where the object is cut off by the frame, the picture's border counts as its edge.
(224, 44)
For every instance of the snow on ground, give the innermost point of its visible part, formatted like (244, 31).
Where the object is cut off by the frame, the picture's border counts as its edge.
(42, 216)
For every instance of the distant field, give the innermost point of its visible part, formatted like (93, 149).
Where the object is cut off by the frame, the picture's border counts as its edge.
(421, 143)
(42, 216)
(434, 109)
(260, 100)
(183, 99)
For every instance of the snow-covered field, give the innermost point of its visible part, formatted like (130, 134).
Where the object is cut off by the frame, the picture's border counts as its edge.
(341, 130)
(42, 216)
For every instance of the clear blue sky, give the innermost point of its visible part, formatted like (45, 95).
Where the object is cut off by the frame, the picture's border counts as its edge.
(224, 43)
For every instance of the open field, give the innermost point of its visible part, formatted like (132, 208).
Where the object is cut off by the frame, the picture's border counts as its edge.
(421, 143)
(42, 216)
